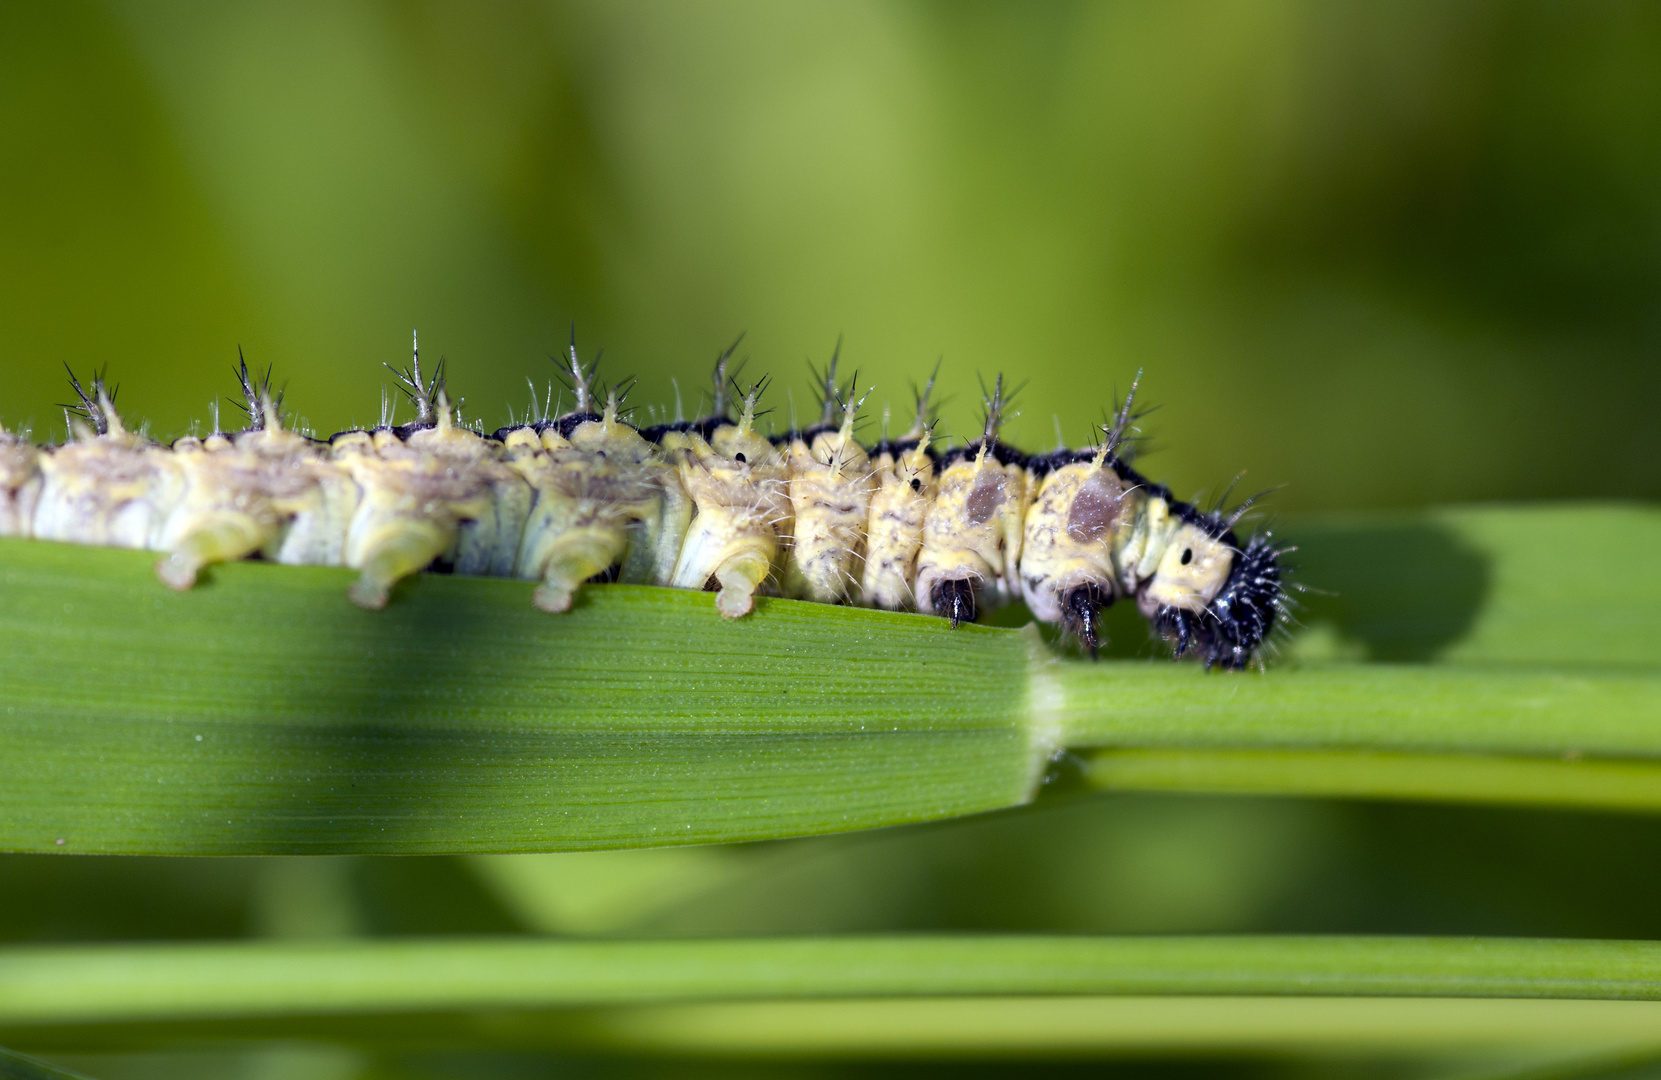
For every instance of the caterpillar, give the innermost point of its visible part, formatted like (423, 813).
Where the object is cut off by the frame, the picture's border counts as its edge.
(709, 504)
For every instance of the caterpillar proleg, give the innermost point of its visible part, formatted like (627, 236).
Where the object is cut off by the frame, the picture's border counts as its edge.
(710, 504)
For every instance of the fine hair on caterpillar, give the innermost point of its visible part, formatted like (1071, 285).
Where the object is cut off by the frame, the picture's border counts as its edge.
(566, 498)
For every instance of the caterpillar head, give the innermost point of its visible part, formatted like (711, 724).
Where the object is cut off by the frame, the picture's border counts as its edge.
(1214, 597)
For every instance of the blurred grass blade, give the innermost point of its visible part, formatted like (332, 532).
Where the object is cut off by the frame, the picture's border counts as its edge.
(1552, 1038)
(1443, 709)
(15, 1066)
(100, 984)
(1576, 782)
(262, 713)
(1540, 585)
(1533, 1038)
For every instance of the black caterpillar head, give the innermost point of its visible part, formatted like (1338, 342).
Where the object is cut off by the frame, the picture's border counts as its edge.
(1233, 627)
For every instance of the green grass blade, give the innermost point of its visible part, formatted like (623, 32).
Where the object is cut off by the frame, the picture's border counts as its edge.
(917, 994)
(1559, 1032)
(262, 713)
(1426, 708)
(15, 1066)
(93, 984)
(1538, 585)
(1518, 1035)
(1511, 647)
(1577, 782)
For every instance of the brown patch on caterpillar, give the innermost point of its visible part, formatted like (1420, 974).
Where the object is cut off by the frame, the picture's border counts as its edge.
(972, 532)
(830, 485)
(986, 496)
(738, 481)
(1097, 508)
(106, 486)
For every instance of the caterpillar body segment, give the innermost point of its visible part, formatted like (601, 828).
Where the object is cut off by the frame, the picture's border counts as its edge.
(658, 532)
(107, 486)
(658, 535)
(573, 531)
(595, 484)
(973, 529)
(488, 499)
(830, 485)
(739, 485)
(903, 489)
(238, 491)
(20, 481)
(418, 488)
(1082, 513)
(972, 533)
(1191, 568)
(1207, 593)
(238, 494)
(315, 533)
(650, 505)
(712, 504)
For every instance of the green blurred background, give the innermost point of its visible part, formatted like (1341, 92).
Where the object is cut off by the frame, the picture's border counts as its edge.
(1385, 254)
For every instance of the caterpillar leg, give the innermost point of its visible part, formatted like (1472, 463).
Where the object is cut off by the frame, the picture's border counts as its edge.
(1081, 613)
(957, 599)
(223, 540)
(178, 571)
(739, 577)
(574, 559)
(394, 555)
